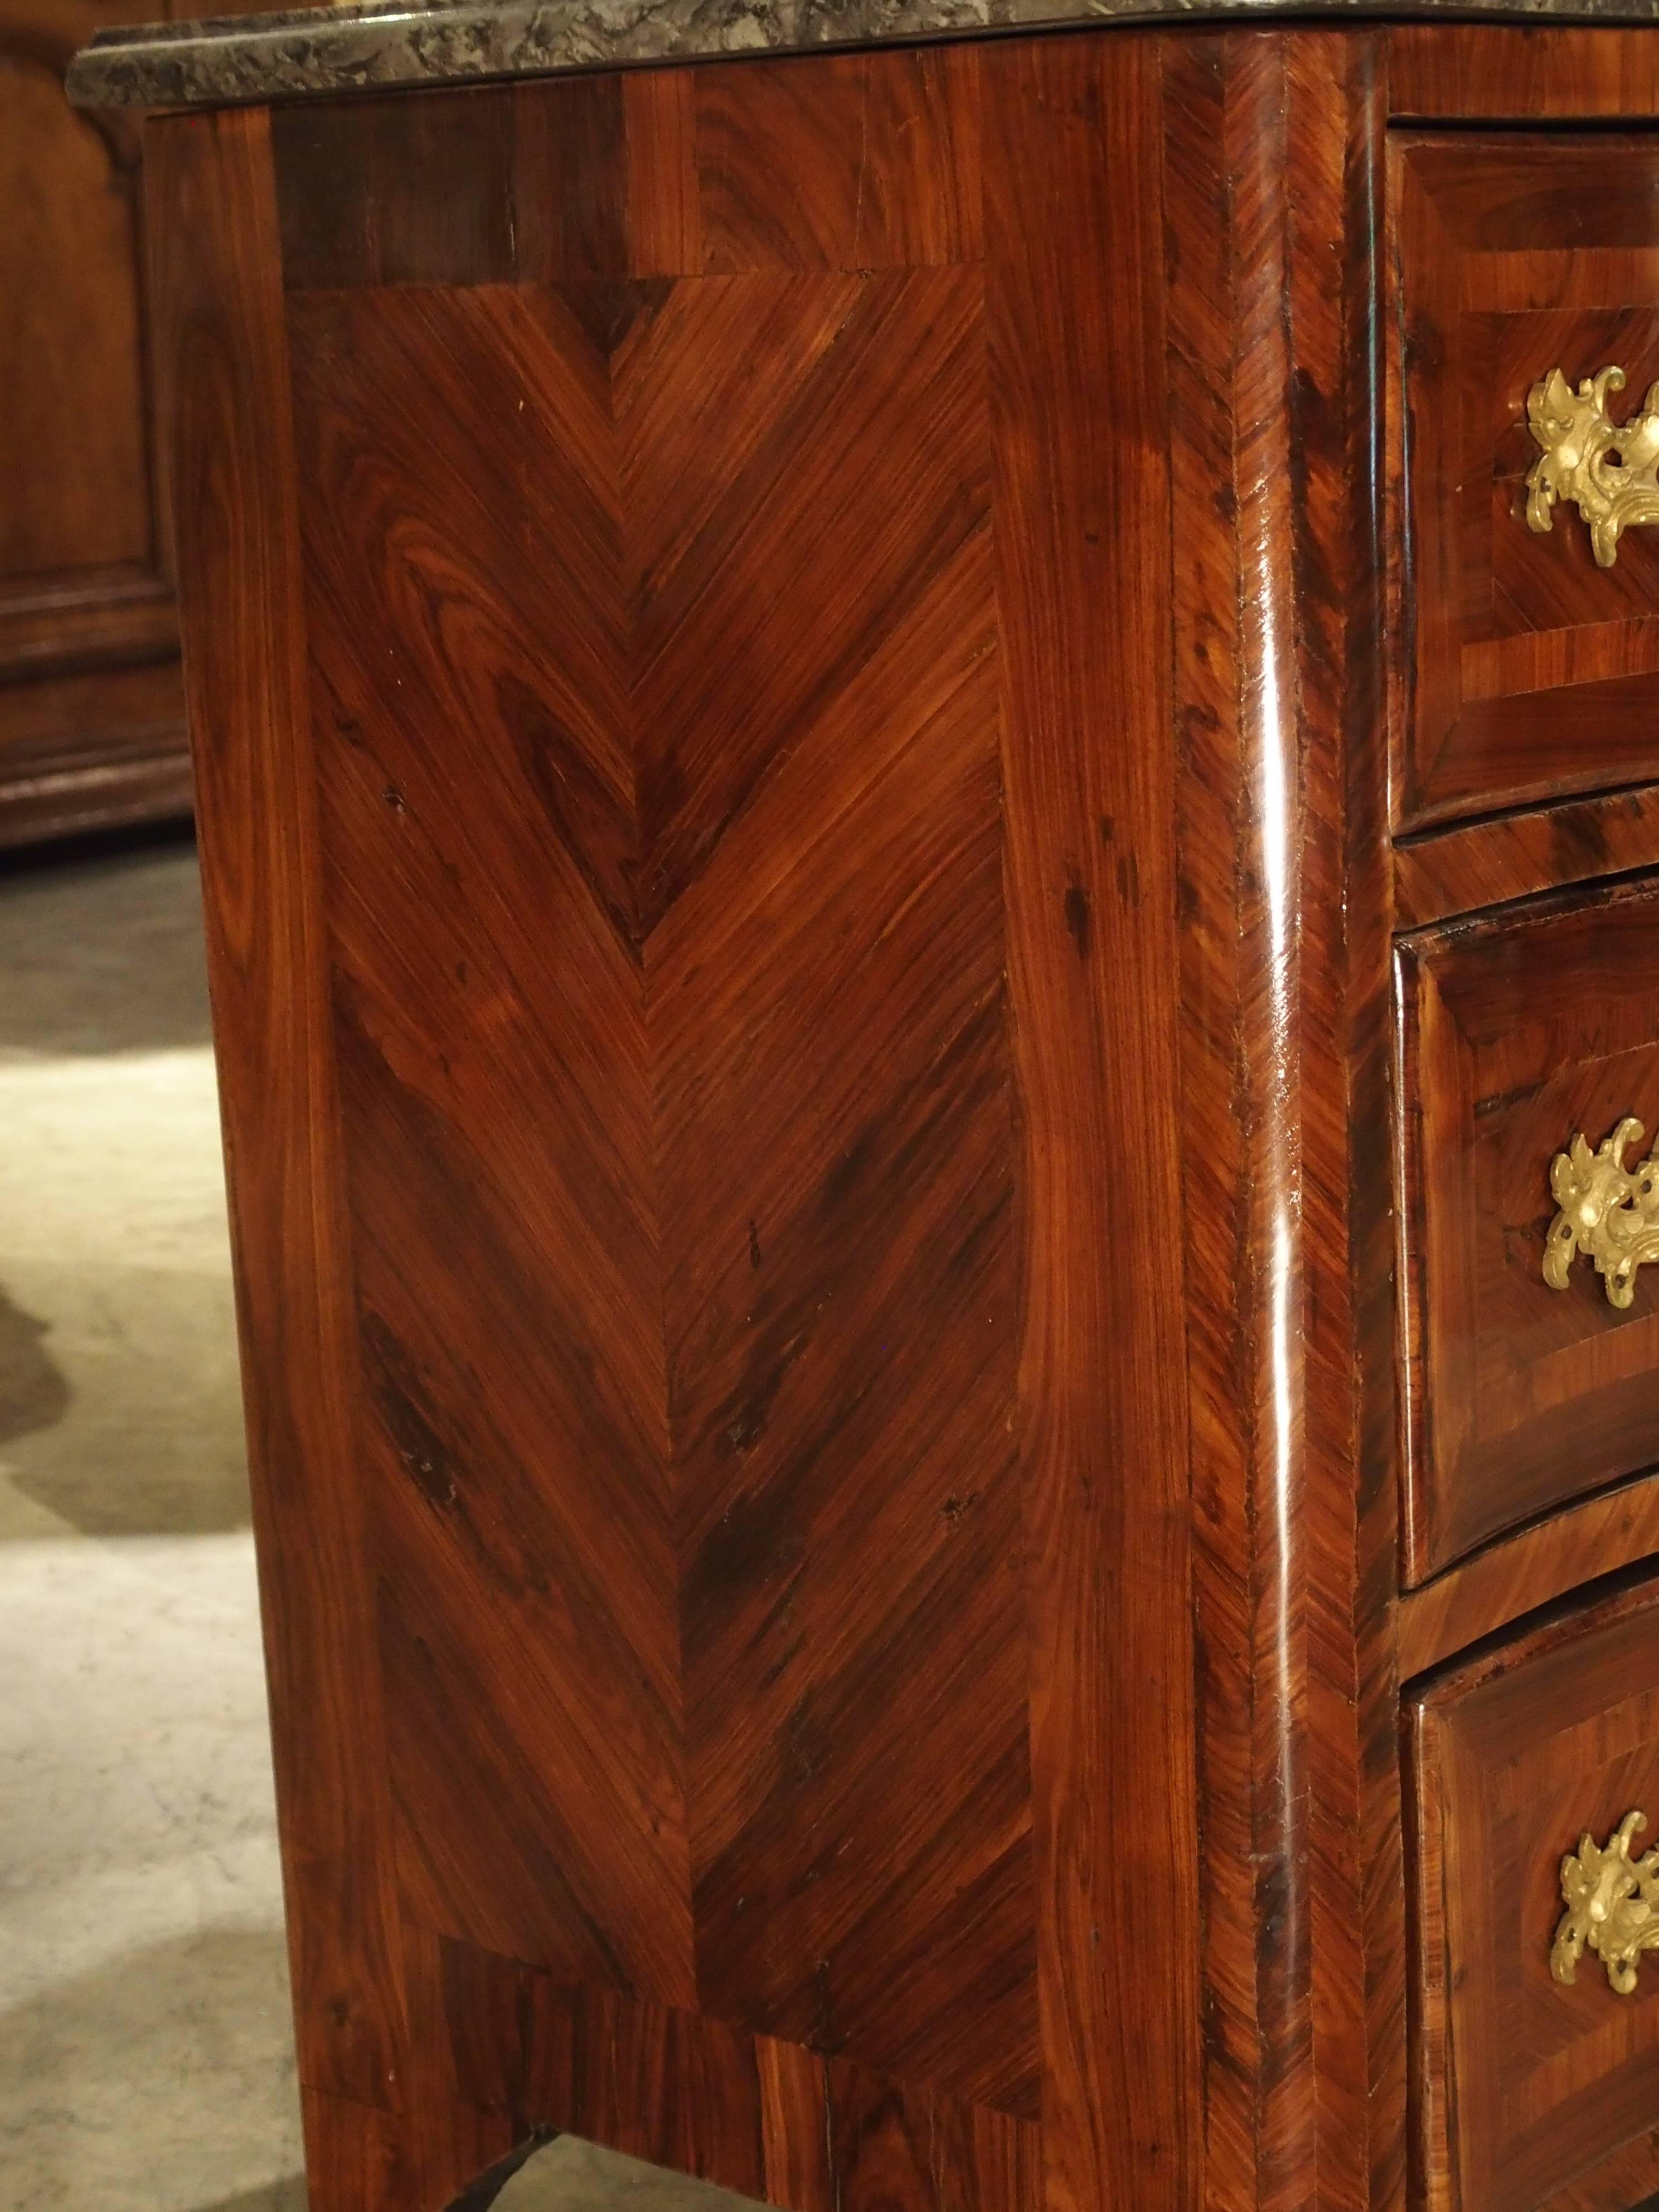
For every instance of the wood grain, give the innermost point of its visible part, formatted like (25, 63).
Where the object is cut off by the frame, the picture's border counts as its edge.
(779, 154)
(74, 466)
(213, 277)
(1209, 807)
(91, 700)
(404, 191)
(60, 787)
(1486, 864)
(1267, 177)
(839, 1228)
(1366, 1023)
(1082, 498)
(1518, 1031)
(1508, 72)
(355, 2154)
(830, 838)
(760, 2117)
(1534, 2095)
(1533, 672)
(663, 218)
(782, 1641)
(507, 1578)
(1356, 1913)
(678, 828)
(459, 2133)
(1597, 1536)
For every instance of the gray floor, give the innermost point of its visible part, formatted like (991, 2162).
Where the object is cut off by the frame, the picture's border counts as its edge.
(145, 2057)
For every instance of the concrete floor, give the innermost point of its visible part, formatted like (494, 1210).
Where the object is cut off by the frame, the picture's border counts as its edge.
(146, 2063)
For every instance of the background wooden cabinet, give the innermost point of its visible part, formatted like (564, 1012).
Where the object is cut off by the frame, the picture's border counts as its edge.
(91, 707)
(92, 725)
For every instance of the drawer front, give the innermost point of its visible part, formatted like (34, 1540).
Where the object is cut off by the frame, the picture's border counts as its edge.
(1533, 671)
(1533, 2093)
(1520, 1034)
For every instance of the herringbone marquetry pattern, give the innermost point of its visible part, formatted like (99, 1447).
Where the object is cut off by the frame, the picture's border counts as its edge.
(783, 661)
(703, 1632)
(528, 1529)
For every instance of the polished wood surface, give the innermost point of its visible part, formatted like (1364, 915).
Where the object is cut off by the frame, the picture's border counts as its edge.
(75, 492)
(1517, 1032)
(1532, 2094)
(799, 723)
(91, 705)
(1516, 73)
(1598, 1536)
(1486, 863)
(1089, 842)
(731, 1043)
(1276, 625)
(92, 709)
(1533, 672)
(224, 366)
(767, 1558)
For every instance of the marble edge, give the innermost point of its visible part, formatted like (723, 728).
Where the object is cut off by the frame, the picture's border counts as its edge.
(232, 60)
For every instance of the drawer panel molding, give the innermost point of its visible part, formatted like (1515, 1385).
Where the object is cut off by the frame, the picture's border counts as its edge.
(1607, 1535)
(1533, 668)
(1534, 2089)
(1510, 857)
(1529, 1383)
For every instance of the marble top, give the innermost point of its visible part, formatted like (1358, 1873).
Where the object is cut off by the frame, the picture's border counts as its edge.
(388, 43)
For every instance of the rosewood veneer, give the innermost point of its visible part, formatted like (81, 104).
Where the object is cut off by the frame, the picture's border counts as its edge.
(916, 862)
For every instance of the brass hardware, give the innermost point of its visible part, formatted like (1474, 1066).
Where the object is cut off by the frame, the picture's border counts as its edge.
(1612, 1904)
(1609, 471)
(1607, 1210)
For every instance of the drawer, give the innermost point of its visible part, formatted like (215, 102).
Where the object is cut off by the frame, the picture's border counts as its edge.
(1533, 670)
(1533, 2093)
(1519, 1033)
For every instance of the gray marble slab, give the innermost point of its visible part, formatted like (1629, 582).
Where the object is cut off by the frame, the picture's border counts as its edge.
(415, 42)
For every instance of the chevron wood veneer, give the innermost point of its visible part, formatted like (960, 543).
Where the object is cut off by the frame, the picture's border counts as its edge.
(698, 1071)
(789, 728)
